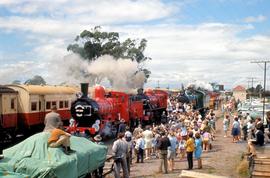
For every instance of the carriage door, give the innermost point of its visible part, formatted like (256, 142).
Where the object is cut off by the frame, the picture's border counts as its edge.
(41, 107)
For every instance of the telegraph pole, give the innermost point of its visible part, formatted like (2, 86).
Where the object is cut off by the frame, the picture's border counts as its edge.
(264, 80)
(251, 80)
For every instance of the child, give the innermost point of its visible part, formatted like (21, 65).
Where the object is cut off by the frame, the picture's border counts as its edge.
(226, 125)
(60, 138)
(206, 141)
(140, 148)
(182, 149)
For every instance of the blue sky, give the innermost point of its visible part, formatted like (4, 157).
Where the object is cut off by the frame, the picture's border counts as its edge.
(188, 40)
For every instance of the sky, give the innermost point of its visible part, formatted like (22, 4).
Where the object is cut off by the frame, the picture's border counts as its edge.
(188, 40)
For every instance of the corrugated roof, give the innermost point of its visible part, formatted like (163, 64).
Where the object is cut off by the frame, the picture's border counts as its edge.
(4, 89)
(47, 89)
(239, 88)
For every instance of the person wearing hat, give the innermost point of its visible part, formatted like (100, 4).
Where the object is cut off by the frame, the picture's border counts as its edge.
(139, 146)
(98, 172)
(98, 139)
(122, 126)
(119, 152)
(128, 139)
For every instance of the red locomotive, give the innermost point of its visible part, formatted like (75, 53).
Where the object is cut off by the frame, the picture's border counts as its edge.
(106, 109)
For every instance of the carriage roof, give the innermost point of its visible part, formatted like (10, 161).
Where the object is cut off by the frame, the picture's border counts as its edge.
(4, 89)
(46, 89)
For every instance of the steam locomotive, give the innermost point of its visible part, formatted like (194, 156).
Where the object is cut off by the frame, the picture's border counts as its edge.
(103, 113)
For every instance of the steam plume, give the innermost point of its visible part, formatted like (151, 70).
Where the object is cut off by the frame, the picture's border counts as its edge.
(122, 74)
(201, 84)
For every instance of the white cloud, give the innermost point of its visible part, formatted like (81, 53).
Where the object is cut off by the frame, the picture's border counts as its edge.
(97, 11)
(252, 19)
(180, 53)
(22, 71)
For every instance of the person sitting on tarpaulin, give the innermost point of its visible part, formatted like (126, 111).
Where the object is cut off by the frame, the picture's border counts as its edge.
(58, 137)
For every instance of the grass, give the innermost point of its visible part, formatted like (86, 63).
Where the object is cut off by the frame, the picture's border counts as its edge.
(211, 170)
(242, 167)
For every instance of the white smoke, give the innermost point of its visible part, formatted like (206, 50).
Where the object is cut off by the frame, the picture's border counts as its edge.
(121, 73)
(201, 84)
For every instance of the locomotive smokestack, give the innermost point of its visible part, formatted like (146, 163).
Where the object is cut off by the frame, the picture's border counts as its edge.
(84, 90)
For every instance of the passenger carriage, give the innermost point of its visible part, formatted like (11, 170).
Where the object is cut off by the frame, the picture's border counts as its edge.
(8, 111)
(35, 101)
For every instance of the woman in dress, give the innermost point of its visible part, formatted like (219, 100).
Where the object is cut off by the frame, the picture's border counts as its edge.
(198, 149)
(235, 130)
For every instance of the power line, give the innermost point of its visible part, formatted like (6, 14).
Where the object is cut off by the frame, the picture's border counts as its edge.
(264, 80)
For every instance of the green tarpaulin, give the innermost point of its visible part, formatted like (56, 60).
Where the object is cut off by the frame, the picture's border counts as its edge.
(32, 157)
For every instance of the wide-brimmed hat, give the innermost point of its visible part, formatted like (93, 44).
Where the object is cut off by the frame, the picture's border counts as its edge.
(122, 120)
(98, 138)
(252, 140)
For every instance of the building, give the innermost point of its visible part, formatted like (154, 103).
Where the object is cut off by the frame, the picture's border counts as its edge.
(239, 92)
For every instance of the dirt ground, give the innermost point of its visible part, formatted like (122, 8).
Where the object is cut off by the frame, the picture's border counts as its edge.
(222, 160)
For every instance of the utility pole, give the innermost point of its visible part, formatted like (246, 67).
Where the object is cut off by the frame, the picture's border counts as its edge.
(264, 81)
(251, 80)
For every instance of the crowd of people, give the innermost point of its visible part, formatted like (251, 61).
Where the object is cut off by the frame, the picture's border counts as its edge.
(243, 127)
(183, 133)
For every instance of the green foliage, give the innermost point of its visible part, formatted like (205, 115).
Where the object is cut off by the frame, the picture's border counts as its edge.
(36, 80)
(94, 43)
(255, 91)
(17, 82)
(259, 88)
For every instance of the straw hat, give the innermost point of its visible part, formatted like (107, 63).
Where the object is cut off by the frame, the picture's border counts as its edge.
(252, 140)
(97, 138)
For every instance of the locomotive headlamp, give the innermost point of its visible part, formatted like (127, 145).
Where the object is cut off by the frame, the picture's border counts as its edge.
(79, 110)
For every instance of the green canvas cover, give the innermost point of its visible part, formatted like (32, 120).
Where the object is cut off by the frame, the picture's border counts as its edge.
(7, 174)
(32, 157)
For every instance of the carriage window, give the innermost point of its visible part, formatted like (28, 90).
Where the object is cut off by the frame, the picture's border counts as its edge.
(54, 103)
(12, 103)
(33, 106)
(61, 104)
(66, 104)
(48, 105)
